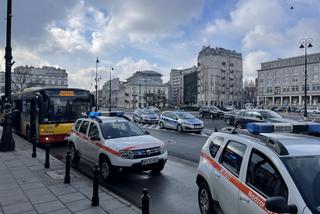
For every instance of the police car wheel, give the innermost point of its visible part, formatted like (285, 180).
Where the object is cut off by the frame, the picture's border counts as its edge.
(205, 200)
(74, 154)
(161, 125)
(179, 128)
(106, 170)
(239, 125)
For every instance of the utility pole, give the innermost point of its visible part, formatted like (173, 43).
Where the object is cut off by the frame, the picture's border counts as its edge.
(97, 108)
(110, 91)
(7, 142)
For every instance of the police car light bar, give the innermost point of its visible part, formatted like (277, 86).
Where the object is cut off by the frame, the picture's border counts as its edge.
(94, 114)
(303, 127)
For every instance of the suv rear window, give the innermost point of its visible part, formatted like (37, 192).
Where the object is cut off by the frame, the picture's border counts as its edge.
(76, 126)
(84, 127)
(232, 156)
(215, 145)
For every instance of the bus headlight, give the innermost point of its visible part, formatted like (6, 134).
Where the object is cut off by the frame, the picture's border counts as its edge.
(127, 154)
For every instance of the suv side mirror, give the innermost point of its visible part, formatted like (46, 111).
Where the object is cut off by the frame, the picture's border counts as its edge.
(95, 138)
(278, 204)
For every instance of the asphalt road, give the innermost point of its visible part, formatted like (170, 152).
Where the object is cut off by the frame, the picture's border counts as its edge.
(174, 190)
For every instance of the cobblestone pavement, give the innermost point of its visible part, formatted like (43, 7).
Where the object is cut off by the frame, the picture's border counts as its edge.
(27, 187)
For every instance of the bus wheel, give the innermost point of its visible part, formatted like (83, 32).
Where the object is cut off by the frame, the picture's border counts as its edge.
(75, 158)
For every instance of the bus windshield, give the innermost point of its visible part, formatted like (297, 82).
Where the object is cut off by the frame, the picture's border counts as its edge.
(65, 109)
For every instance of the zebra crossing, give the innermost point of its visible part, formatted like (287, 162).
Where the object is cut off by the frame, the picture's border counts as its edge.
(156, 126)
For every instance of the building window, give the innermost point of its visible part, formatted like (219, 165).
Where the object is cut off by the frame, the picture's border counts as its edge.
(295, 79)
(269, 89)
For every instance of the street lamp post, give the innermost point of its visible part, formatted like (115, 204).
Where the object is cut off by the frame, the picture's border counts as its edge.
(110, 91)
(145, 80)
(7, 142)
(97, 108)
(305, 43)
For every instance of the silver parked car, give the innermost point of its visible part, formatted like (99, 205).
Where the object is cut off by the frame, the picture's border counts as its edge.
(180, 121)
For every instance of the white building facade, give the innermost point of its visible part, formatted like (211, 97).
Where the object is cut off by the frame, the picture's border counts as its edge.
(134, 92)
(28, 76)
(282, 82)
(220, 76)
(116, 89)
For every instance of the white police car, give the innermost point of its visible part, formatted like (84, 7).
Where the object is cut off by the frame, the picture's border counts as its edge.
(268, 168)
(115, 143)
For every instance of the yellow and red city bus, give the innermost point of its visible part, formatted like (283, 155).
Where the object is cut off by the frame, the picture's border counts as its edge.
(55, 110)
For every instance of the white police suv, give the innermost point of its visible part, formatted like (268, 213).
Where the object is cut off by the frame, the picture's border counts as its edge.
(268, 168)
(114, 142)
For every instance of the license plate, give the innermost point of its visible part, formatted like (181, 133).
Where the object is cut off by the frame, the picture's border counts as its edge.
(150, 161)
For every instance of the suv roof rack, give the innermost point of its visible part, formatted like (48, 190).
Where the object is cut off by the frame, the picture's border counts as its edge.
(270, 142)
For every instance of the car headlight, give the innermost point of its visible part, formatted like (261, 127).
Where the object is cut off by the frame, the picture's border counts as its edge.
(186, 123)
(127, 154)
(162, 149)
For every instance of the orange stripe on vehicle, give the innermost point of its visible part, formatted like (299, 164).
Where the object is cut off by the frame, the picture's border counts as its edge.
(103, 147)
(255, 197)
(141, 145)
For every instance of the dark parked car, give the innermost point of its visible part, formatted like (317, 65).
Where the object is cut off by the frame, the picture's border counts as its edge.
(229, 117)
(264, 116)
(145, 116)
(211, 111)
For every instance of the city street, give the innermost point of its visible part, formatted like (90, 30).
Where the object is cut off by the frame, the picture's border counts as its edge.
(174, 190)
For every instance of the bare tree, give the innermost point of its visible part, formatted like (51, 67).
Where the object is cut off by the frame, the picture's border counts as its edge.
(249, 93)
(156, 99)
(19, 81)
(22, 80)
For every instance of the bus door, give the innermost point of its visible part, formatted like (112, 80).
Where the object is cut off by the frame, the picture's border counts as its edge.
(17, 115)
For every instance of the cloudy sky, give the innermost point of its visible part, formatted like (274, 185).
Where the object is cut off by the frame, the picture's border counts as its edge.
(132, 35)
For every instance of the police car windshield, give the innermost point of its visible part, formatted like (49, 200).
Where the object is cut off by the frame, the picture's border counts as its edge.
(270, 114)
(214, 108)
(305, 172)
(184, 115)
(147, 111)
(120, 129)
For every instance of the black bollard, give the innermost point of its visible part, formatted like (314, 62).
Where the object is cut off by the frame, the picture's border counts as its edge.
(47, 163)
(145, 198)
(34, 148)
(67, 174)
(95, 194)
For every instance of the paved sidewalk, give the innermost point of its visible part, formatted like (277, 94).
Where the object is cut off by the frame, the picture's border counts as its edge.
(26, 187)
